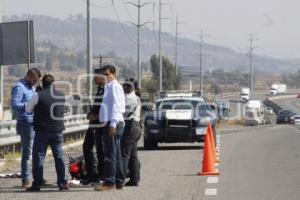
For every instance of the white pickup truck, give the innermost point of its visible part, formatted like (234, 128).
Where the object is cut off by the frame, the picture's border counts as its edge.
(245, 94)
(254, 115)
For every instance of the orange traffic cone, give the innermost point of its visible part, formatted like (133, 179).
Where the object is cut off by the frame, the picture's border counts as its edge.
(213, 144)
(208, 164)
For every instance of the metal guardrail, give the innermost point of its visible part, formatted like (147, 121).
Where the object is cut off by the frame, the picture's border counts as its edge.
(75, 128)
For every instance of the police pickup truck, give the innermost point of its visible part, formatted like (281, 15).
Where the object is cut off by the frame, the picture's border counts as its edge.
(178, 117)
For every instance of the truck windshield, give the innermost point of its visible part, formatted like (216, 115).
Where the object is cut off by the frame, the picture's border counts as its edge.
(182, 105)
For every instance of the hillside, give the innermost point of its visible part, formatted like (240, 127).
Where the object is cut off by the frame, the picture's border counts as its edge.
(112, 36)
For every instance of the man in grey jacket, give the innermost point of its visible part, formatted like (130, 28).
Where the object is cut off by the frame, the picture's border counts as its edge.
(132, 133)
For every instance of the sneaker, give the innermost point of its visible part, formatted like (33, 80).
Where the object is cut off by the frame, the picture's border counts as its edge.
(65, 187)
(104, 187)
(26, 184)
(132, 183)
(33, 188)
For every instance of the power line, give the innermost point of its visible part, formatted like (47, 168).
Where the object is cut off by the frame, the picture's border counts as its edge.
(122, 26)
(98, 6)
(127, 11)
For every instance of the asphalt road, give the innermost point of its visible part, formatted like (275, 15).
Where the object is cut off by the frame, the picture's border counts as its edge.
(167, 173)
(256, 163)
(260, 164)
(291, 104)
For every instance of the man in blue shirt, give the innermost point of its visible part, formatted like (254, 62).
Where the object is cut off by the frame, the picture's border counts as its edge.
(111, 115)
(22, 93)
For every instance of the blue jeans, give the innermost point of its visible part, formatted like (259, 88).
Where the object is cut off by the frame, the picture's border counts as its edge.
(26, 132)
(41, 142)
(113, 165)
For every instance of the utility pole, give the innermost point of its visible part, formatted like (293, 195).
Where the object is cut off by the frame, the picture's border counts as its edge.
(1, 69)
(160, 18)
(159, 46)
(139, 25)
(176, 44)
(251, 39)
(201, 58)
(89, 53)
(101, 58)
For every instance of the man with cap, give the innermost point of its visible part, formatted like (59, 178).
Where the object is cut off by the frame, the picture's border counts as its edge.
(94, 135)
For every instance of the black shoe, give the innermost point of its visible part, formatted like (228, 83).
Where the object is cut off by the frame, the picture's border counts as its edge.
(65, 187)
(86, 181)
(119, 186)
(33, 189)
(132, 183)
(90, 181)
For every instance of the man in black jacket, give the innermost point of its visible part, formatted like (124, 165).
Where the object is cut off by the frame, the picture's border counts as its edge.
(48, 123)
(94, 135)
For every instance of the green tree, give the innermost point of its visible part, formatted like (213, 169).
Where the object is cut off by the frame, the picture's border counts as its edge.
(171, 81)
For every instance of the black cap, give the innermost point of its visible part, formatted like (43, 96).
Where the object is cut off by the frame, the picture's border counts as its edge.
(99, 71)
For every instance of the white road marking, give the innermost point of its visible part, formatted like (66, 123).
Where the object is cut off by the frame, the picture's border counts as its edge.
(212, 179)
(210, 192)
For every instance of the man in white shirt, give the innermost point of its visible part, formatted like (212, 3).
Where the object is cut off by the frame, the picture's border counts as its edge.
(111, 116)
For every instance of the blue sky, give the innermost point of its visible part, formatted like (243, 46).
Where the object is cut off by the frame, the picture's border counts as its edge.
(274, 22)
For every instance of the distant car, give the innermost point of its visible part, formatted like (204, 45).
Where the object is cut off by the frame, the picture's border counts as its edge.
(285, 116)
(297, 119)
(298, 96)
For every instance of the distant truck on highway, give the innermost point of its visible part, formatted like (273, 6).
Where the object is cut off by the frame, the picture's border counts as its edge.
(277, 89)
(245, 94)
(254, 115)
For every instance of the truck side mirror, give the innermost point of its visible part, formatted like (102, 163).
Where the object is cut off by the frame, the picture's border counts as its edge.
(212, 107)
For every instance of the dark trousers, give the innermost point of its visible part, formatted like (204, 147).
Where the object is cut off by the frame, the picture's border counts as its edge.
(40, 144)
(132, 133)
(94, 167)
(113, 164)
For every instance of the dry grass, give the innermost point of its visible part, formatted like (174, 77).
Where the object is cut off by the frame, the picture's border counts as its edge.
(10, 161)
(234, 122)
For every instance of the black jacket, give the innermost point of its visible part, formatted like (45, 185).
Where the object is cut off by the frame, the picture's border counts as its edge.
(49, 112)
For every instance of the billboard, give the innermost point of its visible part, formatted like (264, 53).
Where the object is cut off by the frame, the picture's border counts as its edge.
(16, 40)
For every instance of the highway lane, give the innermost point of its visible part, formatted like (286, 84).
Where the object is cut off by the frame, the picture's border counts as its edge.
(290, 103)
(260, 164)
